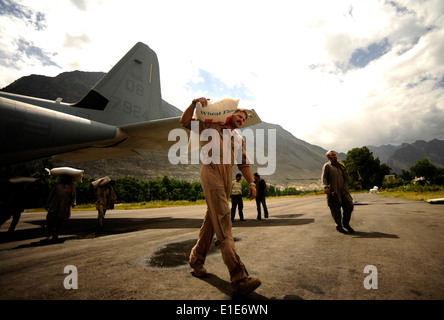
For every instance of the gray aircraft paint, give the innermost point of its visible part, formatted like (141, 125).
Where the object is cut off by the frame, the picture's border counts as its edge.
(129, 93)
(118, 116)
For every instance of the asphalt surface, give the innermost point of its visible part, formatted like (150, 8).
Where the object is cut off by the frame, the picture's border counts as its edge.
(297, 254)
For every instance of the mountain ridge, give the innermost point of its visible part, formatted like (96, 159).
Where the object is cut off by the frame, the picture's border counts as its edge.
(404, 156)
(298, 163)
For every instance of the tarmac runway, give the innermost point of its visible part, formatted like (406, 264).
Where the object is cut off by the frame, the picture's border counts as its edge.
(396, 253)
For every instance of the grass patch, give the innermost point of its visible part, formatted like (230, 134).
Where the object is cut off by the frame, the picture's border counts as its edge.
(419, 195)
(136, 205)
(144, 205)
(413, 195)
(168, 203)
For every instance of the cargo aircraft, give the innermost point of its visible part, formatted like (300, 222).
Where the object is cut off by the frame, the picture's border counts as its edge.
(121, 114)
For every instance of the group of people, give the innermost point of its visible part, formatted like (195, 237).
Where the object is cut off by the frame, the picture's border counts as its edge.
(63, 197)
(334, 178)
(217, 185)
(236, 197)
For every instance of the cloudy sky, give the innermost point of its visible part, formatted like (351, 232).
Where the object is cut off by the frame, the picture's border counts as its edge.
(337, 74)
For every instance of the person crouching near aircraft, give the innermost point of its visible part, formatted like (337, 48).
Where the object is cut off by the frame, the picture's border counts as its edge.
(216, 184)
(60, 200)
(106, 198)
(334, 178)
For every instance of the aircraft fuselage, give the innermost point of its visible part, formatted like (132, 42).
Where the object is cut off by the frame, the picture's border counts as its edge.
(28, 131)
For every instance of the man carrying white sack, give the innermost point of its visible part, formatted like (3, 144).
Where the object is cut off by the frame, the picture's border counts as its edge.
(106, 198)
(216, 179)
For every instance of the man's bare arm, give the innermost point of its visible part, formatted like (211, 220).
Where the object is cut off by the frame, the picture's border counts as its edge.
(246, 172)
(187, 115)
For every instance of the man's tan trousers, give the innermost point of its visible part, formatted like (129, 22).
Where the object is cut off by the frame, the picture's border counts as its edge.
(216, 184)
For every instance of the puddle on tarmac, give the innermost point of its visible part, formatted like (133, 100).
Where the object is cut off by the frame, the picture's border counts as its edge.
(175, 254)
(172, 255)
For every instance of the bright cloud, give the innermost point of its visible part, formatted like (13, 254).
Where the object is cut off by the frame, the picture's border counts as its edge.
(338, 74)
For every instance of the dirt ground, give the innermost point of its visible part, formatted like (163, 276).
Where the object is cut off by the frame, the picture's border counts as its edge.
(297, 254)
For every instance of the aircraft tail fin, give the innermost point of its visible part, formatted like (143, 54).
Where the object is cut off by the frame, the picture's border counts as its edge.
(128, 93)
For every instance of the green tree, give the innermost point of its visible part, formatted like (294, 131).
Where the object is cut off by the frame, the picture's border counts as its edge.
(196, 191)
(406, 175)
(153, 190)
(271, 191)
(167, 184)
(364, 170)
(129, 189)
(424, 168)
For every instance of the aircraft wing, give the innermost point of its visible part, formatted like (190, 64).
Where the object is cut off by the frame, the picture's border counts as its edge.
(152, 135)
(252, 119)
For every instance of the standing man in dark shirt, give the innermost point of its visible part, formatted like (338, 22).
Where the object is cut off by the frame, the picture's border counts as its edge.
(261, 187)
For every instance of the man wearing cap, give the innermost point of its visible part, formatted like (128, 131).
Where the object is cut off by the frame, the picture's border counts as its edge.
(216, 183)
(334, 178)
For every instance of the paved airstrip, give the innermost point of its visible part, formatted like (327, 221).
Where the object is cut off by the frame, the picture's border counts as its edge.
(396, 254)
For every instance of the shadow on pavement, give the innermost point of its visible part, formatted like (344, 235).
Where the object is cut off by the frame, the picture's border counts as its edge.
(225, 287)
(361, 234)
(85, 228)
